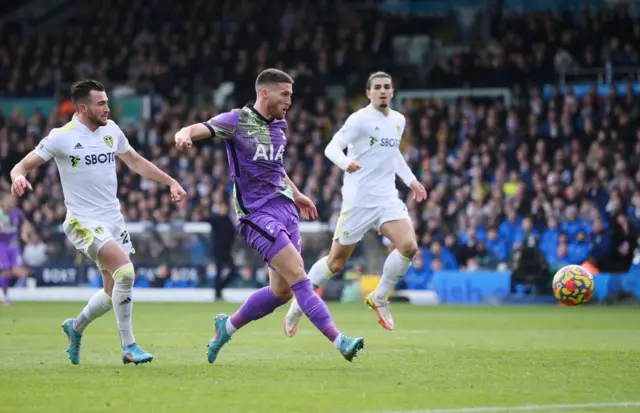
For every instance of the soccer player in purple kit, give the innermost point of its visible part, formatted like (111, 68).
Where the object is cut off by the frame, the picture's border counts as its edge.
(265, 200)
(11, 227)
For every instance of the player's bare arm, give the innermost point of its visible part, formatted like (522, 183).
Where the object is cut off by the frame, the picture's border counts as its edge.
(185, 136)
(143, 167)
(307, 207)
(19, 183)
(293, 186)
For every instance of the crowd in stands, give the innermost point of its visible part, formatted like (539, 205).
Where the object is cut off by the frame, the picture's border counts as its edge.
(537, 47)
(556, 168)
(173, 48)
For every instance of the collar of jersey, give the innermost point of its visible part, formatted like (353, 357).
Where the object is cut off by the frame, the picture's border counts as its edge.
(257, 114)
(82, 126)
(370, 107)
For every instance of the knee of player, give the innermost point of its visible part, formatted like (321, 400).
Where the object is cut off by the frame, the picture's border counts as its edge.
(285, 294)
(125, 275)
(408, 248)
(111, 256)
(335, 265)
(298, 273)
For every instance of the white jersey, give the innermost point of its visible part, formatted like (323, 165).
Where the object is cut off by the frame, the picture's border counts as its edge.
(373, 139)
(86, 161)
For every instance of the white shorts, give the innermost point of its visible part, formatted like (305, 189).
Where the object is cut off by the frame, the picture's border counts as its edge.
(89, 235)
(354, 222)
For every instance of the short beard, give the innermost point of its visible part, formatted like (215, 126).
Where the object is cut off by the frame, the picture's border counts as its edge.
(98, 121)
(383, 105)
(274, 113)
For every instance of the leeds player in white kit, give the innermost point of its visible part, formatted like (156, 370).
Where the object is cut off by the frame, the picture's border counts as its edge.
(85, 152)
(370, 198)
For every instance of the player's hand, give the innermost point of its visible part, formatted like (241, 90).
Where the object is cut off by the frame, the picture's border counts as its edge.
(308, 209)
(353, 166)
(183, 140)
(419, 193)
(20, 186)
(177, 192)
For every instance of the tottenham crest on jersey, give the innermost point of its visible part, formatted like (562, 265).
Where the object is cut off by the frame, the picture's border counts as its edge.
(108, 140)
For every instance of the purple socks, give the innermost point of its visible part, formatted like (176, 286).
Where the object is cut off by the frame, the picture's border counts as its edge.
(263, 302)
(315, 309)
(259, 304)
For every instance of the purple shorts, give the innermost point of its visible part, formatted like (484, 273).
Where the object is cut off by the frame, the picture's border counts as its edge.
(271, 228)
(10, 258)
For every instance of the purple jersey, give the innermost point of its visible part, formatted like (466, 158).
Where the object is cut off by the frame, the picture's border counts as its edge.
(10, 225)
(255, 148)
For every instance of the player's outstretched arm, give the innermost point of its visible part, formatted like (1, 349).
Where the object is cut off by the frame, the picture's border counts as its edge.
(143, 167)
(19, 184)
(186, 136)
(293, 186)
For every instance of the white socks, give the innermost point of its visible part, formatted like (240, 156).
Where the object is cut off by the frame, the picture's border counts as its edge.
(338, 341)
(395, 267)
(123, 302)
(99, 304)
(319, 274)
(230, 328)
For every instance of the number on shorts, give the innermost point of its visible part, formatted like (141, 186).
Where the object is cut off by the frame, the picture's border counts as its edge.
(125, 237)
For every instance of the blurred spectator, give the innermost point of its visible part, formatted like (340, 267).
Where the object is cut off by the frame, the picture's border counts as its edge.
(418, 276)
(223, 232)
(600, 245)
(436, 251)
(497, 246)
(624, 243)
(246, 279)
(579, 248)
(35, 252)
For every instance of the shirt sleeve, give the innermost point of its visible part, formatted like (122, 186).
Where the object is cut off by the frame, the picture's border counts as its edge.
(47, 149)
(403, 170)
(347, 134)
(123, 142)
(223, 125)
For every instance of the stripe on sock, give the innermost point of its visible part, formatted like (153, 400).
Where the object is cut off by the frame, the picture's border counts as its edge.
(124, 271)
(404, 259)
(325, 268)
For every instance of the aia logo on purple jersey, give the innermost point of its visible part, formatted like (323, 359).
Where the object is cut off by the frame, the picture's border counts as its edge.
(268, 152)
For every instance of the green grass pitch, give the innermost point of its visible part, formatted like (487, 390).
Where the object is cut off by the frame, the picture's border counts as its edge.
(437, 358)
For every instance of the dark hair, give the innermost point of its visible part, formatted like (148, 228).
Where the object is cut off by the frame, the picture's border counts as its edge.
(82, 90)
(375, 76)
(272, 76)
